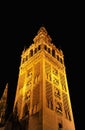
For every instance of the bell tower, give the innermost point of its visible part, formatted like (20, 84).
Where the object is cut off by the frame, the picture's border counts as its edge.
(42, 88)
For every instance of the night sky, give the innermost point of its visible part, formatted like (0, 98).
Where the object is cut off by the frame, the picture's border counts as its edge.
(18, 27)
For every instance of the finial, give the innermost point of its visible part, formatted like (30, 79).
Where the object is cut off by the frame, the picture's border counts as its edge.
(42, 30)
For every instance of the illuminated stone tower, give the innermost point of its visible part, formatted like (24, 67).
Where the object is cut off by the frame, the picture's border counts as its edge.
(42, 87)
(3, 105)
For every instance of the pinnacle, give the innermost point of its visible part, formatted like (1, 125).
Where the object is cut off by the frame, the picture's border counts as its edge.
(42, 30)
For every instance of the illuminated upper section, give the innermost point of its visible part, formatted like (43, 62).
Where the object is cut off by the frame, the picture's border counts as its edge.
(42, 34)
(42, 41)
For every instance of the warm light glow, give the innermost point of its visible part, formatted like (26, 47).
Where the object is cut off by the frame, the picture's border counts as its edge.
(42, 87)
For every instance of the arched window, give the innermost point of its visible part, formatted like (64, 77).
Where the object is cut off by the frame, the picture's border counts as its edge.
(39, 47)
(48, 50)
(45, 47)
(31, 52)
(35, 51)
(53, 52)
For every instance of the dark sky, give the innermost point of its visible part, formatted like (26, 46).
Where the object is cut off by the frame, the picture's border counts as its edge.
(18, 27)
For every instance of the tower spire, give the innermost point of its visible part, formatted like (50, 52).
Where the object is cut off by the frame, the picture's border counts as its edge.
(42, 34)
(42, 30)
(3, 104)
